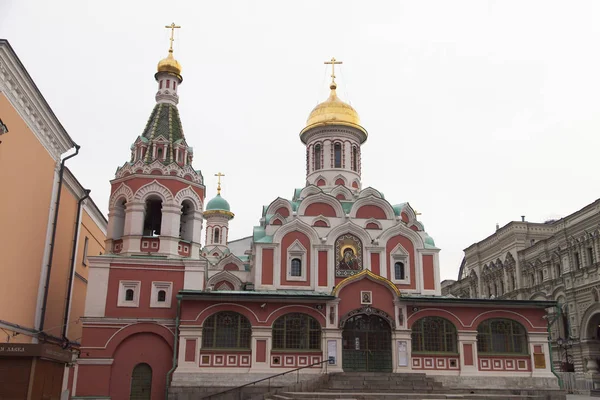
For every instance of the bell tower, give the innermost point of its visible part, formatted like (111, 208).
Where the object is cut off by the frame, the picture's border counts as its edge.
(333, 137)
(157, 196)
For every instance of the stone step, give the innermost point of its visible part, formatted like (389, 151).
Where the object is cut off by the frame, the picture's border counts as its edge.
(350, 395)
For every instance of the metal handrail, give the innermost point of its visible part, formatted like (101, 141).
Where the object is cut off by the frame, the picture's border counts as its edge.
(269, 379)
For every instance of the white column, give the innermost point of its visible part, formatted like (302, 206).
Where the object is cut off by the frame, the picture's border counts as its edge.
(401, 351)
(540, 340)
(334, 336)
(468, 338)
(185, 334)
(261, 333)
(134, 226)
(169, 229)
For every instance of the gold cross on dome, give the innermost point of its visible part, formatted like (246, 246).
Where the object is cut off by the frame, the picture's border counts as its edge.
(333, 62)
(219, 175)
(172, 27)
(417, 213)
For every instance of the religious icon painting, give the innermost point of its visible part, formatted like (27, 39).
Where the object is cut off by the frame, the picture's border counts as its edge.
(366, 297)
(348, 255)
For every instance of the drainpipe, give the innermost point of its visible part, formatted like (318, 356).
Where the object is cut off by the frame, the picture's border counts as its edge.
(52, 240)
(73, 259)
(560, 381)
(175, 347)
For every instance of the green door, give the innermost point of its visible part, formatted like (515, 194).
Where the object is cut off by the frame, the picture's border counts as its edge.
(367, 344)
(141, 382)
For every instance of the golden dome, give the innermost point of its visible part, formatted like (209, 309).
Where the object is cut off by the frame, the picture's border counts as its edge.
(333, 111)
(169, 64)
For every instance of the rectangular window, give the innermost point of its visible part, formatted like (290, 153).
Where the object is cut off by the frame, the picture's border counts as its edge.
(590, 254)
(168, 83)
(160, 84)
(161, 294)
(85, 251)
(174, 85)
(129, 294)
(577, 261)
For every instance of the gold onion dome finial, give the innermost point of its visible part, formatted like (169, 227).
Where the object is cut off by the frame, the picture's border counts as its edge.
(170, 64)
(333, 111)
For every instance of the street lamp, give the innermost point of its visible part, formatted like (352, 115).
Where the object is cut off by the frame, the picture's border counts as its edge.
(565, 345)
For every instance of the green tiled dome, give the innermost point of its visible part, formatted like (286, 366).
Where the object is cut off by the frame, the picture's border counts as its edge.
(218, 203)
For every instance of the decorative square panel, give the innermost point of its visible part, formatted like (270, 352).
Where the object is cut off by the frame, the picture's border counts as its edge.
(497, 364)
(232, 360)
(509, 364)
(276, 360)
(316, 359)
(428, 362)
(155, 245)
(288, 361)
(245, 361)
(145, 245)
(484, 364)
(366, 297)
(219, 360)
(521, 365)
(205, 359)
(302, 360)
(440, 363)
(416, 362)
(179, 247)
(453, 363)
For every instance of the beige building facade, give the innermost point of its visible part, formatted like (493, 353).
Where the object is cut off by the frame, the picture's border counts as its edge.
(43, 251)
(555, 260)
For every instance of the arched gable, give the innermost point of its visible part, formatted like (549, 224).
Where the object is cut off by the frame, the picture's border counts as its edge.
(154, 188)
(370, 192)
(340, 180)
(383, 205)
(230, 259)
(321, 222)
(538, 296)
(123, 191)
(277, 204)
(142, 327)
(401, 229)
(348, 227)
(296, 225)
(189, 194)
(366, 274)
(343, 191)
(277, 219)
(309, 190)
(372, 223)
(411, 215)
(225, 276)
(321, 198)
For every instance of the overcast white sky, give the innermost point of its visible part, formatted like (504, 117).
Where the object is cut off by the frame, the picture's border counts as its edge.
(478, 112)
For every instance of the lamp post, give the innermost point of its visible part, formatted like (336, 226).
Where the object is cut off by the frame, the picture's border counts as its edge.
(565, 344)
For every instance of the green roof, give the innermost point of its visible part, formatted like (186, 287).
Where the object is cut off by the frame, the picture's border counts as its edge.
(218, 203)
(164, 121)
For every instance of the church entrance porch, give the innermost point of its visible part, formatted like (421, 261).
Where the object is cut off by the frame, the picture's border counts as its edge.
(367, 344)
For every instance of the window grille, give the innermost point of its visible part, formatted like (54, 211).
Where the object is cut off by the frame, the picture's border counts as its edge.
(226, 330)
(318, 156)
(162, 295)
(296, 269)
(501, 336)
(399, 270)
(296, 331)
(217, 236)
(434, 334)
(337, 148)
(129, 295)
(354, 159)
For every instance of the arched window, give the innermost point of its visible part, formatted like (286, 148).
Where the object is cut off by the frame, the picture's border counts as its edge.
(162, 296)
(434, 334)
(566, 329)
(186, 221)
(129, 295)
(317, 156)
(119, 219)
(159, 152)
(540, 277)
(226, 330)
(217, 236)
(153, 217)
(501, 336)
(337, 150)
(296, 269)
(296, 331)
(354, 159)
(399, 270)
(513, 284)
(141, 382)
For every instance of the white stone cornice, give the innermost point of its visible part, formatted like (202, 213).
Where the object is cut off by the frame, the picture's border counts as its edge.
(25, 97)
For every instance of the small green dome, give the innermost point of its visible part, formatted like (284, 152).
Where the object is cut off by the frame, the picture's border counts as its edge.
(429, 241)
(218, 203)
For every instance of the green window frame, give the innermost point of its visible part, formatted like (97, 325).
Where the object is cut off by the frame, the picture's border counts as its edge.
(435, 335)
(226, 330)
(501, 336)
(296, 331)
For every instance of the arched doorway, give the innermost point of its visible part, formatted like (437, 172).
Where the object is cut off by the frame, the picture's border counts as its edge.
(141, 382)
(367, 344)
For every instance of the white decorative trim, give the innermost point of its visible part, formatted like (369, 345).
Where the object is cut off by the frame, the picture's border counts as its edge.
(95, 361)
(322, 198)
(188, 194)
(321, 218)
(373, 200)
(373, 221)
(123, 287)
(309, 191)
(154, 187)
(296, 250)
(342, 190)
(277, 204)
(296, 225)
(225, 276)
(122, 191)
(157, 287)
(369, 192)
(342, 177)
(400, 254)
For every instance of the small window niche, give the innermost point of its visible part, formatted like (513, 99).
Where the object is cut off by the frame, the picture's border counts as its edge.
(296, 262)
(129, 294)
(161, 294)
(400, 265)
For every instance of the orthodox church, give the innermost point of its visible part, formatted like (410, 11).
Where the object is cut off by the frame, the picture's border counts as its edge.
(335, 277)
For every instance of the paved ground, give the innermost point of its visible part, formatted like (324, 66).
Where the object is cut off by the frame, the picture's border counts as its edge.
(579, 397)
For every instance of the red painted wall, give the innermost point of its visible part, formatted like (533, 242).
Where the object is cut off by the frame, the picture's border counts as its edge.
(190, 349)
(408, 246)
(286, 242)
(339, 181)
(321, 224)
(322, 268)
(267, 266)
(261, 351)
(231, 267)
(375, 266)
(370, 211)
(428, 273)
(94, 380)
(468, 352)
(404, 217)
(174, 185)
(372, 225)
(383, 298)
(316, 209)
(146, 276)
(140, 348)
(284, 212)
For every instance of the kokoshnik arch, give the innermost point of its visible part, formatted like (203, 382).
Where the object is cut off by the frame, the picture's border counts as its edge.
(335, 273)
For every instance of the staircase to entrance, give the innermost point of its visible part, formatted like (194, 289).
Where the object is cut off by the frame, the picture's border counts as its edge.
(414, 386)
